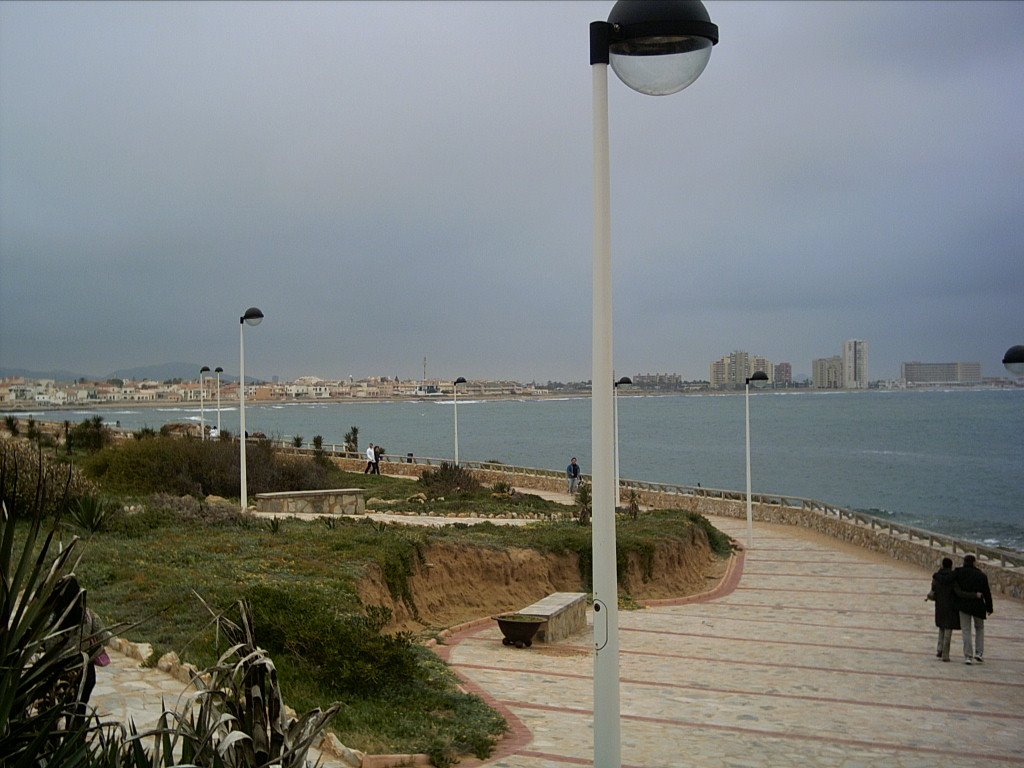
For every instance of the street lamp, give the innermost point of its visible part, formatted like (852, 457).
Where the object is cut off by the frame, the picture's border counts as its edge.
(655, 47)
(759, 379)
(218, 370)
(624, 381)
(1014, 360)
(252, 316)
(455, 404)
(202, 402)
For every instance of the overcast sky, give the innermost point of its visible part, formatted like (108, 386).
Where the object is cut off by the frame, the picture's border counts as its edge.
(392, 181)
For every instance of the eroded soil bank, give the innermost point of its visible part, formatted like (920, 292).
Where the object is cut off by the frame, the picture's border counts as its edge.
(453, 583)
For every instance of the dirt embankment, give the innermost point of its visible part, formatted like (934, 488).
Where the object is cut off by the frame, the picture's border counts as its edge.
(458, 582)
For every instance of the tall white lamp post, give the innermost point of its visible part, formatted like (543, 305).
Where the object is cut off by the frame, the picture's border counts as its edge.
(202, 402)
(624, 381)
(218, 370)
(455, 410)
(656, 47)
(759, 379)
(252, 316)
(1013, 360)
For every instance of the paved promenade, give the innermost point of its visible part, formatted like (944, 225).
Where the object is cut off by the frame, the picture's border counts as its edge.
(822, 655)
(816, 654)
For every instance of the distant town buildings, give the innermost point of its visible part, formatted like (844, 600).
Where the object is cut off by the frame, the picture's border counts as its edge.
(658, 381)
(923, 374)
(50, 393)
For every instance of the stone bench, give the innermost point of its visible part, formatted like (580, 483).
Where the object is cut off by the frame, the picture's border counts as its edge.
(330, 501)
(565, 614)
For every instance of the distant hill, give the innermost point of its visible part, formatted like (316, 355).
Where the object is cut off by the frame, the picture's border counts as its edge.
(55, 375)
(161, 372)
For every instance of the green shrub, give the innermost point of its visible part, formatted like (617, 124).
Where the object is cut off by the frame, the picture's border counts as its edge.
(200, 468)
(351, 652)
(90, 436)
(31, 480)
(449, 480)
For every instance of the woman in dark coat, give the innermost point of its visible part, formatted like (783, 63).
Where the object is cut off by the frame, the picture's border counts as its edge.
(947, 615)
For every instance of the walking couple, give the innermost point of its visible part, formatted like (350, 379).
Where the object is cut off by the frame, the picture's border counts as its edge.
(373, 453)
(962, 599)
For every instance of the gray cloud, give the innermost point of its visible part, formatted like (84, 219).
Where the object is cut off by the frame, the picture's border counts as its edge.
(389, 181)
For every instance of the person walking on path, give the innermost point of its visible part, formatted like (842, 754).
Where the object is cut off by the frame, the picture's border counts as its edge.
(573, 475)
(947, 616)
(378, 451)
(371, 459)
(974, 601)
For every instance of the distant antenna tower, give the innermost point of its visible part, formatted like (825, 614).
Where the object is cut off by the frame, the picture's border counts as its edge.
(424, 370)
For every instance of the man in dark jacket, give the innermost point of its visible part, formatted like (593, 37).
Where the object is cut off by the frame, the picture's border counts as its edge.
(947, 616)
(974, 601)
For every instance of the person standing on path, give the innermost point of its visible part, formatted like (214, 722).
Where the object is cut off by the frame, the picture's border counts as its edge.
(974, 601)
(947, 617)
(573, 475)
(371, 459)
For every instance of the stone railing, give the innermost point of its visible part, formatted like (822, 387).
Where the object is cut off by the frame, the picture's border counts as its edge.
(902, 542)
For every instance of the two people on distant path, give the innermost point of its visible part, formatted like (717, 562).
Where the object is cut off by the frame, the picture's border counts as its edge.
(962, 599)
(573, 475)
(974, 601)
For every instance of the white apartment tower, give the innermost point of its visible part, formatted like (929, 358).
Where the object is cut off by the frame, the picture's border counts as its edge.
(855, 364)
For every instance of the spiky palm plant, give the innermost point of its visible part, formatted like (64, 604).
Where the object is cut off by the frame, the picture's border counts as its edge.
(236, 718)
(40, 672)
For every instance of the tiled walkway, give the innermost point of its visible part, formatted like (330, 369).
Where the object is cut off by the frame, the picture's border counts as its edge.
(823, 655)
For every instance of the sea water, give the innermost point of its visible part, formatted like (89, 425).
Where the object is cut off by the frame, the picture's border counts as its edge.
(950, 461)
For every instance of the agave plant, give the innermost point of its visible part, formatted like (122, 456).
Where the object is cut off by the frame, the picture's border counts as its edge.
(89, 513)
(236, 718)
(39, 700)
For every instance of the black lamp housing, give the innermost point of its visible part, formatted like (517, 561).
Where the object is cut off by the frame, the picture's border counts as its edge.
(650, 28)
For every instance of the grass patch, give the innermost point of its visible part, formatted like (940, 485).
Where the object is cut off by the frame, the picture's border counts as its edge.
(159, 547)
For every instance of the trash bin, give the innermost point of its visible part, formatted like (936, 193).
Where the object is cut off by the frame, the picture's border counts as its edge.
(408, 458)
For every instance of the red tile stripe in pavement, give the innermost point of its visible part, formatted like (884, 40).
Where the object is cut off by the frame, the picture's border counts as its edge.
(782, 735)
(929, 632)
(547, 673)
(780, 665)
(844, 577)
(765, 641)
(826, 609)
(792, 590)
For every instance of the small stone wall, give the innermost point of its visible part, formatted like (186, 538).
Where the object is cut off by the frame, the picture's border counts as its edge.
(331, 501)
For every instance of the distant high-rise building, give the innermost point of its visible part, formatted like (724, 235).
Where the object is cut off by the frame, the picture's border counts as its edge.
(783, 373)
(855, 364)
(940, 373)
(733, 370)
(827, 372)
